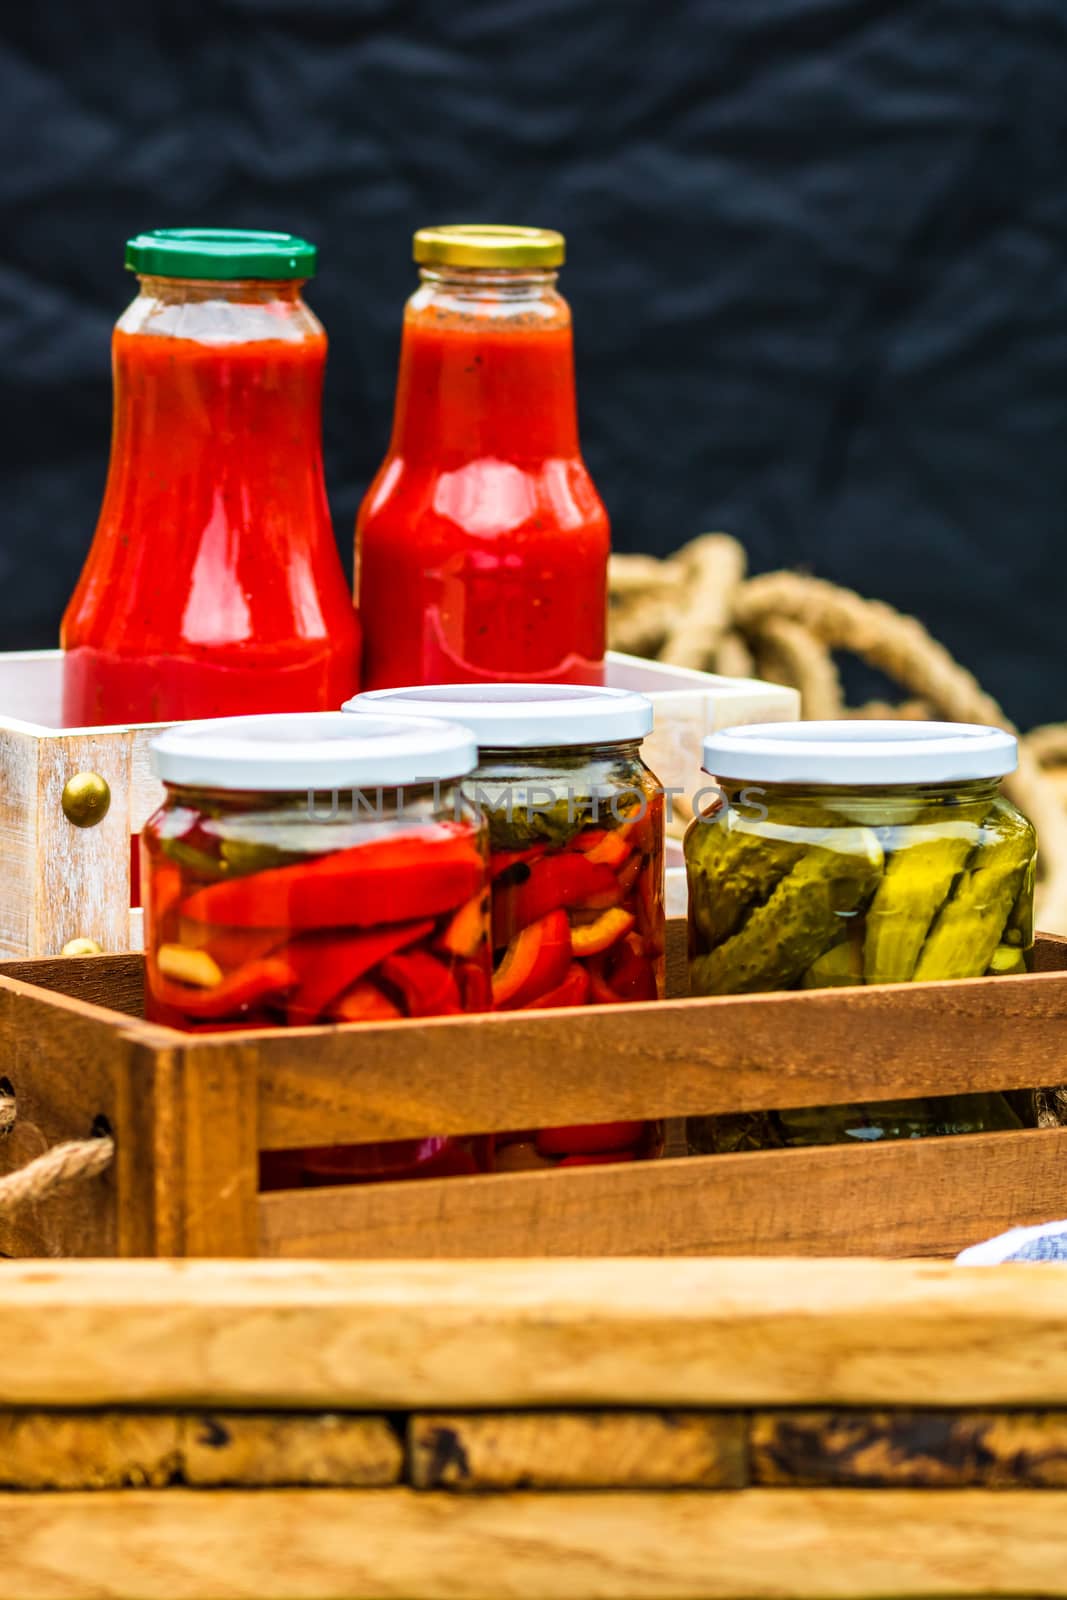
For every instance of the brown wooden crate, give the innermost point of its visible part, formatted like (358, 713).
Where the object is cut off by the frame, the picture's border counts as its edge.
(931, 1449)
(922, 1197)
(185, 1110)
(328, 1544)
(422, 1336)
(574, 1449)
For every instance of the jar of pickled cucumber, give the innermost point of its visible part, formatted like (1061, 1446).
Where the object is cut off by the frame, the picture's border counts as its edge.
(313, 869)
(575, 822)
(844, 853)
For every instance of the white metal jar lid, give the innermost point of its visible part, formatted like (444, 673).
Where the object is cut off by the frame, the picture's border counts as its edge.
(312, 750)
(521, 716)
(864, 753)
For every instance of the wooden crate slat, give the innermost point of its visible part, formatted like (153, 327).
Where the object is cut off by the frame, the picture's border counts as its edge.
(568, 1450)
(330, 1544)
(113, 982)
(113, 1449)
(425, 1335)
(88, 1450)
(922, 1197)
(18, 839)
(267, 1451)
(752, 1052)
(919, 1449)
(83, 874)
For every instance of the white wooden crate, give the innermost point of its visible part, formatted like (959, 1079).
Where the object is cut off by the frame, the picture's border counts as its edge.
(60, 882)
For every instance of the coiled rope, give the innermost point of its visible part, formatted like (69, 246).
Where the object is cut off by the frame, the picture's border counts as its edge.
(699, 609)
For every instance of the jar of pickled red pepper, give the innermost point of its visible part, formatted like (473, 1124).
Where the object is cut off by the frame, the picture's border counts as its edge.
(213, 585)
(846, 853)
(482, 544)
(575, 822)
(318, 869)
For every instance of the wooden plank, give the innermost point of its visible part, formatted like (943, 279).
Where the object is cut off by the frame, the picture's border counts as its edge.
(921, 1197)
(747, 1052)
(273, 1451)
(83, 874)
(115, 982)
(88, 1449)
(113, 1449)
(942, 1449)
(18, 839)
(578, 1450)
(327, 1544)
(498, 1334)
(213, 1156)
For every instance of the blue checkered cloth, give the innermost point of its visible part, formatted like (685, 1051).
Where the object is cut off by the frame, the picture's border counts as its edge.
(1048, 1242)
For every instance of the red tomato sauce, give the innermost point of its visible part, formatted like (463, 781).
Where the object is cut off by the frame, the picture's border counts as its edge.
(483, 543)
(213, 585)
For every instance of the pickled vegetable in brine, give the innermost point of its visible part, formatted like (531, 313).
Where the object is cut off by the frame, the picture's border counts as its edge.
(822, 887)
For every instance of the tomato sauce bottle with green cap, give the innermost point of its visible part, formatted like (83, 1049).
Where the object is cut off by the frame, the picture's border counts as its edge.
(482, 544)
(213, 585)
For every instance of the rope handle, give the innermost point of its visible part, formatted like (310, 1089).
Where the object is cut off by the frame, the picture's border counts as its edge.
(70, 1162)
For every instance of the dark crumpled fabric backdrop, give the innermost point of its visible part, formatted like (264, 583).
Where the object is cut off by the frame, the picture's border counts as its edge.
(818, 262)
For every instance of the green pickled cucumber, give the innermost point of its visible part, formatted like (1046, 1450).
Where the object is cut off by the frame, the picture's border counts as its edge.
(968, 928)
(1006, 959)
(734, 862)
(243, 856)
(839, 967)
(1020, 925)
(192, 859)
(918, 877)
(781, 938)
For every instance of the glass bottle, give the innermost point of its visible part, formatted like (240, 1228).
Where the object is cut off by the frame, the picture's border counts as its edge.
(214, 584)
(482, 543)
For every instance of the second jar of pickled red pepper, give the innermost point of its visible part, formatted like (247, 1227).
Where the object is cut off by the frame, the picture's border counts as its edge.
(482, 544)
(318, 869)
(575, 821)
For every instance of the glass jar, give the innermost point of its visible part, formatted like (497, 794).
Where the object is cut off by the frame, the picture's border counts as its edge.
(575, 823)
(214, 583)
(482, 544)
(314, 869)
(845, 853)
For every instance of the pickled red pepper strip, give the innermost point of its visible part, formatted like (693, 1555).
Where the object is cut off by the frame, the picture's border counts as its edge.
(427, 985)
(536, 961)
(573, 991)
(271, 976)
(387, 881)
(550, 884)
(328, 964)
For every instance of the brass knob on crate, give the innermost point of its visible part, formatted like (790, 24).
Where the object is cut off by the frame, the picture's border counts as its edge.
(86, 799)
(82, 947)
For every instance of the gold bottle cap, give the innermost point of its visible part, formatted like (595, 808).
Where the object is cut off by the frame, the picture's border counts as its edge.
(481, 244)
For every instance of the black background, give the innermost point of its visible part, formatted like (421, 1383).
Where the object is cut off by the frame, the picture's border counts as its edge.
(818, 262)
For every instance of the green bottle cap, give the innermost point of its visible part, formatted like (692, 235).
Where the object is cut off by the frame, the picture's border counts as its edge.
(220, 253)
